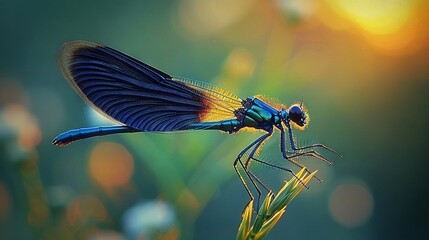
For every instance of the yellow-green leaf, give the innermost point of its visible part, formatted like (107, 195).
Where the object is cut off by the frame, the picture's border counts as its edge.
(243, 230)
(298, 189)
(262, 214)
(269, 225)
(278, 200)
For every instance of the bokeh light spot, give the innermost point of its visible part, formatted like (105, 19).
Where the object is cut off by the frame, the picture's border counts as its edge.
(238, 67)
(144, 219)
(376, 16)
(26, 125)
(390, 26)
(240, 63)
(111, 165)
(351, 204)
(205, 18)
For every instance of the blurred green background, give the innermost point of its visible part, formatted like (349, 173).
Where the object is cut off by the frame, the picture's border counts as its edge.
(361, 67)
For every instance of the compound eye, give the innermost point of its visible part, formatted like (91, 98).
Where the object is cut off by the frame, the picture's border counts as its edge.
(295, 110)
(296, 115)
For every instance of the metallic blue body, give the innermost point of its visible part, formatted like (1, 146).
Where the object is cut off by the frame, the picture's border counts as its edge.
(259, 115)
(82, 133)
(145, 99)
(254, 114)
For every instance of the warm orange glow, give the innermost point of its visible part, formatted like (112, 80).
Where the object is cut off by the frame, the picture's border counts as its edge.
(111, 165)
(390, 26)
(377, 17)
(213, 113)
(271, 101)
(220, 104)
(406, 40)
(251, 130)
(332, 19)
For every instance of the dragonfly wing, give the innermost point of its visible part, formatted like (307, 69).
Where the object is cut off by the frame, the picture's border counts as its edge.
(219, 103)
(131, 92)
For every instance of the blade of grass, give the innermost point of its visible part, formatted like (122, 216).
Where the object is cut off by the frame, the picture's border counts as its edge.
(272, 209)
(268, 225)
(262, 214)
(243, 230)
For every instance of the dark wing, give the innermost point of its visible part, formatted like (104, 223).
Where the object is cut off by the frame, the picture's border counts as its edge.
(138, 95)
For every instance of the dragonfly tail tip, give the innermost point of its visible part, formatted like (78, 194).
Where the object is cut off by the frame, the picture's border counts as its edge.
(56, 142)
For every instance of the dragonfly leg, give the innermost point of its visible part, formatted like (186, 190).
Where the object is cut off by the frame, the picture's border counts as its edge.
(257, 141)
(278, 167)
(260, 182)
(238, 161)
(306, 169)
(257, 145)
(293, 155)
(253, 147)
(317, 145)
(311, 153)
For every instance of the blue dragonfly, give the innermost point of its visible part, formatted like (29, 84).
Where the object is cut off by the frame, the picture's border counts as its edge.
(141, 98)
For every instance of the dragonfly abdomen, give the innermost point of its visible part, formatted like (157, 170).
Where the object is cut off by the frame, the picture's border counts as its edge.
(82, 133)
(231, 126)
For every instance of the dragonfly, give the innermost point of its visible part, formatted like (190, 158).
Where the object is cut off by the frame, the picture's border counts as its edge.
(141, 98)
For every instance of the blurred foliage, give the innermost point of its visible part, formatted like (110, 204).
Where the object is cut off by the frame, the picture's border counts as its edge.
(361, 67)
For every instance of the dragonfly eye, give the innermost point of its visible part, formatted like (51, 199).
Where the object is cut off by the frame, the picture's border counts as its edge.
(297, 116)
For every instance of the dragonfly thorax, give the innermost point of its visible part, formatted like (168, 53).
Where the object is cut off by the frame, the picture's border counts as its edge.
(258, 114)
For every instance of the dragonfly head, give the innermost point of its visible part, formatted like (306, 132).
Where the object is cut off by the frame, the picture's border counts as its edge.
(298, 115)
